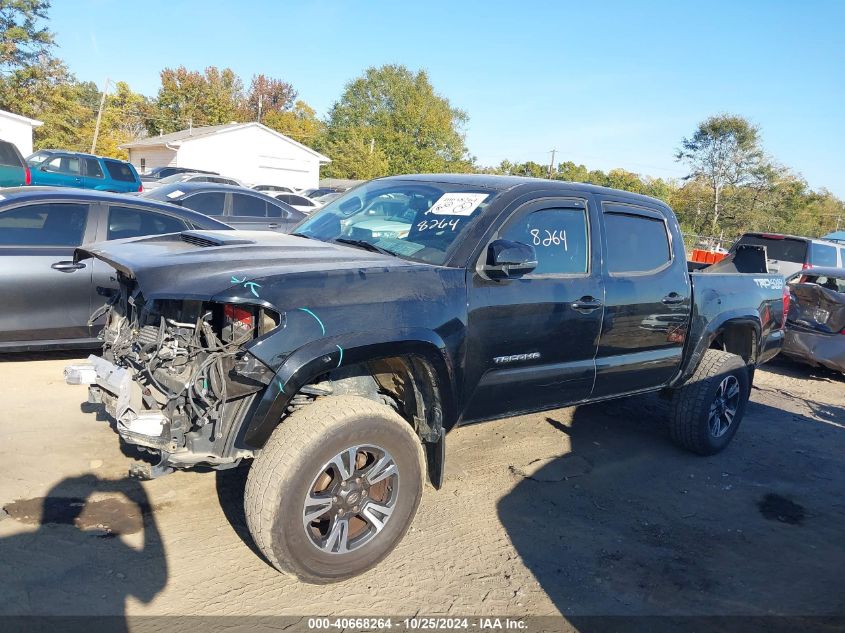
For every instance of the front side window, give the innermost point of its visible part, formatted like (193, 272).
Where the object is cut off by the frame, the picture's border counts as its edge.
(130, 222)
(249, 206)
(211, 203)
(46, 224)
(635, 243)
(64, 164)
(559, 237)
(823, 255)
(413, 220)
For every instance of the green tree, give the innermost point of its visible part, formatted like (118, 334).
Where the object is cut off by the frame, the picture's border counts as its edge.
(354, 155)
(725, 152)
(299, 123)
(408, 123)
(23, 40)
(192, 98)
(124, 119)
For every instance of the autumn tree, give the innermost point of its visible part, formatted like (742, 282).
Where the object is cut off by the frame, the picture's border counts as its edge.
(267, 96)
(724, 152)
(394, 113)
(190, 98)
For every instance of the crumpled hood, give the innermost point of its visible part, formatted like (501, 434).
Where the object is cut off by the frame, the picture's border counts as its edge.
(202, 264)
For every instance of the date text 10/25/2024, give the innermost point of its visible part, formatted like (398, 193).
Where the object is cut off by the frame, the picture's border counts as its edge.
(419, 623)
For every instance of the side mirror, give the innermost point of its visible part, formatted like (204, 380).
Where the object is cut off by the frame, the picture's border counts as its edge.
(509, 260)
(43, 168)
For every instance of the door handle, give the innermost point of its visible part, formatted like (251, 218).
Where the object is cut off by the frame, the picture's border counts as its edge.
(67, 267)
(673, 298)
(274, 225)
(586, 304)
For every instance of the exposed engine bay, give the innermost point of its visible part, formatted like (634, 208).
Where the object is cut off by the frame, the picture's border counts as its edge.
(175, 376)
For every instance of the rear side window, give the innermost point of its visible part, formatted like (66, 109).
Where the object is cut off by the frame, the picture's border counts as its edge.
(559, 237)
(130, 222)
(211, 203)
(635, 243)
(248, 206)
(294, 199)
(9, 155)
(119, 171)
(783, 249)
(93, 167)
(823, 255)
(48, 224)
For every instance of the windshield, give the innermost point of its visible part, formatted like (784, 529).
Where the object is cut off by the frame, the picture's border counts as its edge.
(413, 220)
(37, 158)
(176, 178)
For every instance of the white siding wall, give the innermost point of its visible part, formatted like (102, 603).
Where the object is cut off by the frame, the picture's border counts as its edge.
(17, 132)
(154, 156)
(254, 156)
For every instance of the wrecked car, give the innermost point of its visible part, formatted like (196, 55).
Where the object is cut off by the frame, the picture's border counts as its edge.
(815, 326)
(338, 360)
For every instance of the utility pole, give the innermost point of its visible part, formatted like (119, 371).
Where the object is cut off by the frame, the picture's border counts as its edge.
(551, 163)
(99, 116)
(372, 145)
(260, 96)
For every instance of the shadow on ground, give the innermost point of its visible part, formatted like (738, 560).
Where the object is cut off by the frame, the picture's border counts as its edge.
(75, 561)
(649, 529)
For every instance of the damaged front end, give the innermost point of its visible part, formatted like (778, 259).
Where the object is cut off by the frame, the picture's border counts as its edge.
(176, 377)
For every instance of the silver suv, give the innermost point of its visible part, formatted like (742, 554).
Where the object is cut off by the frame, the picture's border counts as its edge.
(787, 254)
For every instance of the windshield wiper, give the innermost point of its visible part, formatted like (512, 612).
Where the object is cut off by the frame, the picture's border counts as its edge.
(307, 237)
(364, 244)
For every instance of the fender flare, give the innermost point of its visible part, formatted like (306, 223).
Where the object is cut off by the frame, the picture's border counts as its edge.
(321, 356)
(705, 335)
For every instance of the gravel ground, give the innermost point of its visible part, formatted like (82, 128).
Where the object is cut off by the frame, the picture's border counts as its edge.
(580, 511)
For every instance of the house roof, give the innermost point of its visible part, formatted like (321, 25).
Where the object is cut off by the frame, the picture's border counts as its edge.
(22, 119)
(186, 136)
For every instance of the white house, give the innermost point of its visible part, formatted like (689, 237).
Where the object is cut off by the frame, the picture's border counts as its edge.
(18, 130)
(250, 152)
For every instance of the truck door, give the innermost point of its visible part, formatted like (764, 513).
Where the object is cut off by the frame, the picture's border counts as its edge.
(647, 299)
(532, 340)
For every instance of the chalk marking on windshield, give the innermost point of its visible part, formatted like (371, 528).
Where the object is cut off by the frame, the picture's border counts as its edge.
(252, 286)
(322, 327)
(339, 360)
(235, 280)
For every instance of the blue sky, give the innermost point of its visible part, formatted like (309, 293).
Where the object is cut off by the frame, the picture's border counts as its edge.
(607, 84)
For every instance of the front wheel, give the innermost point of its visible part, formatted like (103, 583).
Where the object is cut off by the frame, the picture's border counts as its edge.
(334, 489)
(707, 409)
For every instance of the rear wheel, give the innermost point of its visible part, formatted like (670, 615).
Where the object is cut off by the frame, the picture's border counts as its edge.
(708, 409)
(334, 489)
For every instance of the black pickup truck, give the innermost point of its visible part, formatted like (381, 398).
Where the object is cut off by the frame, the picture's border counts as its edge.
(338, 357)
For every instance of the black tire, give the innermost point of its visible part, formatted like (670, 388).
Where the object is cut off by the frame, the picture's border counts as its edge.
(691, 424)
(292, 461)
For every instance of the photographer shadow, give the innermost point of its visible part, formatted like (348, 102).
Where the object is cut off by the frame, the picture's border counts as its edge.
(77, 563)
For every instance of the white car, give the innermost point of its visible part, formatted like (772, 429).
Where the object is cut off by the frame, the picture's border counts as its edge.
(300, 203)
(191, 177)
(272, 190)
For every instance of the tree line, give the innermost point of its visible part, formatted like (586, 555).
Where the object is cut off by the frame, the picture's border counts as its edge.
(390, 120)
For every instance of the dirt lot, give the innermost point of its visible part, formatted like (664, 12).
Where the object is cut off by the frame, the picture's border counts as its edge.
(578, 511)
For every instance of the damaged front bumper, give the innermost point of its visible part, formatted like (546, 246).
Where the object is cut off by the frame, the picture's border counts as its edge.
(177, 378)
(114, 387)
